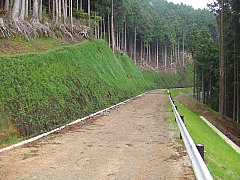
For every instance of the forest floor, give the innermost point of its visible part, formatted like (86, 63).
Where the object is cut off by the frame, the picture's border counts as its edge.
(17, 45)
(228, 127)
(137, 140)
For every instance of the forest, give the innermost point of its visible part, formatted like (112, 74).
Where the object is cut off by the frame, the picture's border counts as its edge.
(217, 68)
(154, 33)
(159, 36)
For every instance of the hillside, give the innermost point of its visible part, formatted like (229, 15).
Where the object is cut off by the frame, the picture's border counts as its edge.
(41, 91)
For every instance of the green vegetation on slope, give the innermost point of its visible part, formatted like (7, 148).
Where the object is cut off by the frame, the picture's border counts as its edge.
(42, 91)
(176, 92)
(222, 160)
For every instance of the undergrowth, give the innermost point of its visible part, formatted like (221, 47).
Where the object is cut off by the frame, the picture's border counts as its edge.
(42, 91)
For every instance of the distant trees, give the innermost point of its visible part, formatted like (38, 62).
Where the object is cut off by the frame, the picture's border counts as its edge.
(154, 33)
(205, 54)
(221, 89)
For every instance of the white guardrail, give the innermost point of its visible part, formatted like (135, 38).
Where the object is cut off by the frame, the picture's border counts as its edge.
(200, 168)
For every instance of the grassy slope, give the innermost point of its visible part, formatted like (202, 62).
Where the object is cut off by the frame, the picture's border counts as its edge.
(222, 161)
(16, 45)
(42, 91)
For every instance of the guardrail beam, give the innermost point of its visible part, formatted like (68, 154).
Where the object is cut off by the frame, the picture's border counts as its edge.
(199, 167)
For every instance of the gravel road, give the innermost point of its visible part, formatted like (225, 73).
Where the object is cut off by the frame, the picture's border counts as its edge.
(135, 141)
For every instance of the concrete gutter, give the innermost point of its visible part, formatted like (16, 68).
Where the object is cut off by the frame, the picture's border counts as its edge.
(225, 138)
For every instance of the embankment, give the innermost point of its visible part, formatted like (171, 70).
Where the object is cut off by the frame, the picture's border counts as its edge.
(42, 91)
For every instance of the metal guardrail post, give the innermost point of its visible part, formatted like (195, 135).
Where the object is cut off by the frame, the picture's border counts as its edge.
(200, 148)
(176, 107)
(182, 118)
(199, 167)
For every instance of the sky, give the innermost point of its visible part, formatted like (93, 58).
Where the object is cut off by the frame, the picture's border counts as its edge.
(194, 3)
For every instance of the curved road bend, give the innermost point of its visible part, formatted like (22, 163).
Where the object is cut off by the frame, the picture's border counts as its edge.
(132, 142)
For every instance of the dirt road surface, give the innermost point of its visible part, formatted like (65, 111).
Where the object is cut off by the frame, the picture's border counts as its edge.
(135, 141)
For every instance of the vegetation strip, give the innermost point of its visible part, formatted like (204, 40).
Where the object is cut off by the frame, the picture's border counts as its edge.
(200, 168)
(69, 124)
(225, 138)
(221, 159)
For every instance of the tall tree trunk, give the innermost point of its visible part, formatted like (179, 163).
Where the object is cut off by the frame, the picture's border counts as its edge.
(109, 31)
(157, 56)
(235, 77)
(202, 89)
(49, 8)
(238, 90)
(40, 10)
(119, 39)
(141, 53)
(183, 51)
(125, 38)
(22, 14)
(26, 8)
(112, 29)
(35, 16)
(95, 26)
(135, 45)
(89, 13)
(149, 53)
(165, 57)
(71, 14)
(15, 10)
(81, 4)
(57, 14)
(178, 52)
(116, 35)
(210, 90)
(122, 41)
(222, 64)
(66, 9)
(53, 11)
(104, 29)
(194, 79)
(59, 11)
(64, 12)
(100, 27)
(175, 55)
(6, 6)
(146, 57)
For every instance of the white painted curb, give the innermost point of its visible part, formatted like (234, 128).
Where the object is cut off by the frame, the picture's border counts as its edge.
(69, 124)
(225, 138)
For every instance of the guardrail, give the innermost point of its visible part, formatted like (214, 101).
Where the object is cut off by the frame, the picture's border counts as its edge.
(200, 168)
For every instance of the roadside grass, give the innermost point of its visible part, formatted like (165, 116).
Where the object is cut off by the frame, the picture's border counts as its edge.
(222, 160)
(176, 92)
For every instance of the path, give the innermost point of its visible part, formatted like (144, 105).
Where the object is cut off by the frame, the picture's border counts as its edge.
(131, 142)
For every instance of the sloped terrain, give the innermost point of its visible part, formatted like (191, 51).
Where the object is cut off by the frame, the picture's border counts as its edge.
(41, 91)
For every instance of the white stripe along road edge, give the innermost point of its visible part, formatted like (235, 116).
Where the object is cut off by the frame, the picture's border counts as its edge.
(69, 124)
(225, 138)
